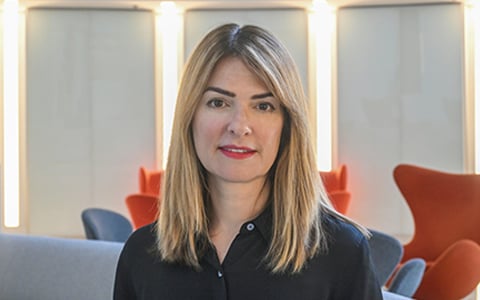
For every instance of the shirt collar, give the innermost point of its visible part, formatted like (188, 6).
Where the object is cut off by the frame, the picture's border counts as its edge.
(263, 222)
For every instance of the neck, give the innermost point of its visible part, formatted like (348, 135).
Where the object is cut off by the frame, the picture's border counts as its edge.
(233, 204)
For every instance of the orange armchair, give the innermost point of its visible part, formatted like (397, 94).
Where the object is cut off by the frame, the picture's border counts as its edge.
(335, 180)
(335, 183)
(143, 209)
(446, 213)
(149, 181)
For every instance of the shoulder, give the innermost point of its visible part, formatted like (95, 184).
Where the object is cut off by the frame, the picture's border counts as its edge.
(349, 256)
(137, 255)
(141, 242)
(143, 235)
(343, 238)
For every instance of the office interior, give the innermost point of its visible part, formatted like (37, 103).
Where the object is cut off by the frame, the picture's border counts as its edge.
(95, 92)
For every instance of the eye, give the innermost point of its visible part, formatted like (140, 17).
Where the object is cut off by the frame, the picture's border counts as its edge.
(216, 103)
(265, 106)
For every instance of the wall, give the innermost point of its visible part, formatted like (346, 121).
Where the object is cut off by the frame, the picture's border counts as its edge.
(90, 112)
(400, 100)
(289, 25)
(90, 122)
(90, 102)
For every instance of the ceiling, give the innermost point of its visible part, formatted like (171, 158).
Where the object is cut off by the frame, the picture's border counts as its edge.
(192, 4)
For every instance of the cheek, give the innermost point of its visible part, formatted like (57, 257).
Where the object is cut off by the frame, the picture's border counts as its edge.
(276, 139)
(204, 132)
(271, 139)
(274, 134)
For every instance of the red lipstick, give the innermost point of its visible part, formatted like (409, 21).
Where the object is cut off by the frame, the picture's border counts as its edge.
(237, 152)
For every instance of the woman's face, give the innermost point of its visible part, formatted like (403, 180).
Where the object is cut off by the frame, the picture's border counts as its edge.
(237, 125)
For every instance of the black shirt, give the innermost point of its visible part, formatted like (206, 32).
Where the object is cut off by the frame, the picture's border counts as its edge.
(344, 272)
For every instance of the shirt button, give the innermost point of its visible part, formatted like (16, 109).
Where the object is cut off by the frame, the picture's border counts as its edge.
(250, 226)
(219, 274)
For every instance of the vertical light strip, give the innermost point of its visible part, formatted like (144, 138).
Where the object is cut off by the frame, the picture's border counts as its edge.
(321, 30)
(11, 164)
(469, 107)
(169, 27)
(475, 20)
(472, 89)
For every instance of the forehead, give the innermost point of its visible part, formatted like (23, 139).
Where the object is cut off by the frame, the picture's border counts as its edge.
(233, 71)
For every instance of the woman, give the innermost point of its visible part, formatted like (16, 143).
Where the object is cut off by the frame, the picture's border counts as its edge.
(244, 214)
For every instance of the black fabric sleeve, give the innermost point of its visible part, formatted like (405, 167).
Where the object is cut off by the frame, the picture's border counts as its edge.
(362, 282)
(123, 287)
(135, 265)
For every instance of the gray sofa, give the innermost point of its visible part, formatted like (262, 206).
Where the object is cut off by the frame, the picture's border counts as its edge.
(47, 268)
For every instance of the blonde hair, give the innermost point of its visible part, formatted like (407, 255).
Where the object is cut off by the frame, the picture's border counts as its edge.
(297, 195)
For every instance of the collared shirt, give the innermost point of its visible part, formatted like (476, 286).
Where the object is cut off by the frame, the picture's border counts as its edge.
(344, 272)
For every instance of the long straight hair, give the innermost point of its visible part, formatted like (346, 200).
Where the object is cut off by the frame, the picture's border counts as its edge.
(297, 196)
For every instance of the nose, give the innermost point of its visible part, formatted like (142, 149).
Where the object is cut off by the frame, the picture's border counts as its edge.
(239, 123)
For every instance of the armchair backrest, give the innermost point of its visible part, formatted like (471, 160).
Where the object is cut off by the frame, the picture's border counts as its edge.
(386, 252)
(445, 208)
(106, 225)
(335, 180)
(335, 183)
(149, 181)
(143, 209)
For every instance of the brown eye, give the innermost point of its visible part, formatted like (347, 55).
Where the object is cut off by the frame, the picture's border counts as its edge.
(265, 106)
(216, 103)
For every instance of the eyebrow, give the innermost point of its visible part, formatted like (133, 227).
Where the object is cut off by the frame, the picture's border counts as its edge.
(230, 94)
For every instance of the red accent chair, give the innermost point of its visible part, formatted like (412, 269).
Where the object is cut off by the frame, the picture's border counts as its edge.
(446, 213)
(149, 181)
(335, 183)
(143, 209)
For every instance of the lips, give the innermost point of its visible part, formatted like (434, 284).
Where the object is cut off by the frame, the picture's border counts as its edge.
(237, 152)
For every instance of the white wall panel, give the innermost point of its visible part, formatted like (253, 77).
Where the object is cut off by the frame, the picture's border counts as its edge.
(90, 112)
(289, 25)
(400, 100)
(90, 102)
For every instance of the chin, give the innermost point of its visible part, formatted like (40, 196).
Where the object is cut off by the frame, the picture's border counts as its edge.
(242, 178)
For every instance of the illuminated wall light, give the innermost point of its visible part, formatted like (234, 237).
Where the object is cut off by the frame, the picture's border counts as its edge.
(11, 185)
(472, 88)
(472, 85)
(475, 18)
(321, 31)
(169, 22)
